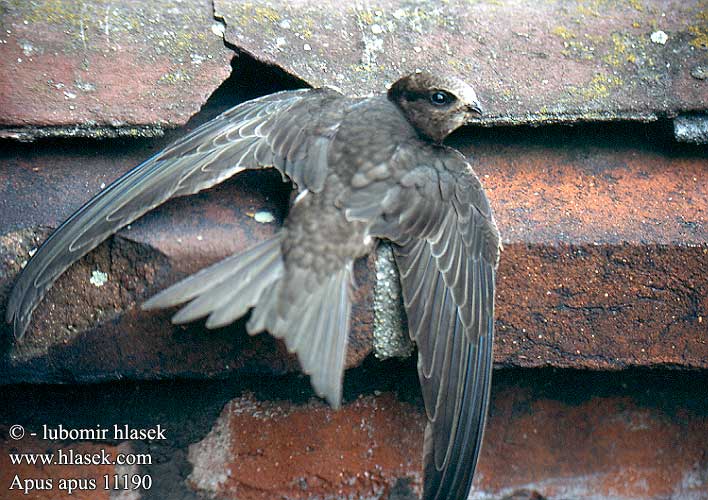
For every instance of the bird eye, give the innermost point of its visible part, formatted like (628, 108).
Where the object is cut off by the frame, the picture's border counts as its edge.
(440, 98)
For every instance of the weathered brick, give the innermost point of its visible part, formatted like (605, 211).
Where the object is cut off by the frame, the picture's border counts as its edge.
(531, 62)
(91, 68)
(554, 434)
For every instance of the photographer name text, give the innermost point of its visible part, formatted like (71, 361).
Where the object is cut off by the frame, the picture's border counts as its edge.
(116, 432)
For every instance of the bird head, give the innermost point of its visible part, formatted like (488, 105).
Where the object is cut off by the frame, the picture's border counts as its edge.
(435, 105)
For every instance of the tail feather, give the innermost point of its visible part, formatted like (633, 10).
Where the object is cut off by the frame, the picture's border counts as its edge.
(241, 302)
(316, 327)
(232, 270)
(226, 290)
(330, 378)
(311, 315)
(297, 337)
(311, 355)
(259, 316)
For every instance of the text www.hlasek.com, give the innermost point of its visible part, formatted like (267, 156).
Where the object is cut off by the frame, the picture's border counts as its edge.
(70, 457)
(71, 485)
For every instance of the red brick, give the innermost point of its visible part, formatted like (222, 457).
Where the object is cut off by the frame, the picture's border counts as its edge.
(532, 62)
(612, 446)
(263, 450)
(123, 68)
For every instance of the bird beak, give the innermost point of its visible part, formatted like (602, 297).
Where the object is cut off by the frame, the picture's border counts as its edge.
(474, 111)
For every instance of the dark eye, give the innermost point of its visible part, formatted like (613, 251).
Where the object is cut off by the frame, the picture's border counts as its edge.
(440, 98)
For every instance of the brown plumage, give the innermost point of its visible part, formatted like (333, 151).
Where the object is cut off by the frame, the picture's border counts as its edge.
(366, 169)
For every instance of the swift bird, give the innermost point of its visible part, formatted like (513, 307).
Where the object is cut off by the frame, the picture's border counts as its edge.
(366, 169)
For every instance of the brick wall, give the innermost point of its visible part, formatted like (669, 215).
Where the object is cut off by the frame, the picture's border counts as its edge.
(602, 303)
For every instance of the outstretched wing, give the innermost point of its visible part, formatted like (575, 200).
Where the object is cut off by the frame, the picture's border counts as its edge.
(446, 248)
(290, 131)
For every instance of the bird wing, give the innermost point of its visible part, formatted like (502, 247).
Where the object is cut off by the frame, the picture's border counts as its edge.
(446, 248)
(289, 130)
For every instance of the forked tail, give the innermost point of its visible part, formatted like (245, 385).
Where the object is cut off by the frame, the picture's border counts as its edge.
(311, 316)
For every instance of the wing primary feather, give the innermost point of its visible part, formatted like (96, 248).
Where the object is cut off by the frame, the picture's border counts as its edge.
(447, 404)
(438, 304)
(440, 222)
